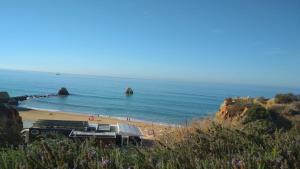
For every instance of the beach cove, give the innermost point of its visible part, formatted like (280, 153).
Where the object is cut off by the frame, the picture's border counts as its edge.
(150, 130)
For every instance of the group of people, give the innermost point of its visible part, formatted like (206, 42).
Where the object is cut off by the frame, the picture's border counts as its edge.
(92, 118)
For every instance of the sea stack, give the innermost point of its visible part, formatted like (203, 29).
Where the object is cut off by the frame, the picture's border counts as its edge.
(129, 92)
(63, 92)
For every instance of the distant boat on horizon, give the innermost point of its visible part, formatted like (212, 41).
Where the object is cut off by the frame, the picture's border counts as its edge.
(57, 74)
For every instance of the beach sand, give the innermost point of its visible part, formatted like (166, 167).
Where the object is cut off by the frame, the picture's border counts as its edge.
(149, 130)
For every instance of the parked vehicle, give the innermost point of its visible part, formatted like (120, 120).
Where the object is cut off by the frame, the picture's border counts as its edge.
(118, 134)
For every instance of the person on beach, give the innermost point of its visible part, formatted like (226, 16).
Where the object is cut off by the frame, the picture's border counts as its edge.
(91, 118)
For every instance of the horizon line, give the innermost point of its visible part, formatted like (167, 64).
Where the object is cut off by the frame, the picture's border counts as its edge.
(150, 78)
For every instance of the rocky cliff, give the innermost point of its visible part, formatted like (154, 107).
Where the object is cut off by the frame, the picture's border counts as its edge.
(10, 125)
(233, 110)
(257, 114)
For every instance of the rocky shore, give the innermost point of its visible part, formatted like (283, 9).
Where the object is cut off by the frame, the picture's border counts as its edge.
(15, 100)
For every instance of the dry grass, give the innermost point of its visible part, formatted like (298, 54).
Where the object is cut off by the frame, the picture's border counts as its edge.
(199, 145)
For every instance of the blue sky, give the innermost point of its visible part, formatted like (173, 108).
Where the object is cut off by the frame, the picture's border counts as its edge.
(234, 41)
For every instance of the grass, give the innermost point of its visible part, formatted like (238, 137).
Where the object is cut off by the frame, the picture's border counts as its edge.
(217, 147)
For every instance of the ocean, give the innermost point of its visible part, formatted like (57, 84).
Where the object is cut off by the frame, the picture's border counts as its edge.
(158, 101)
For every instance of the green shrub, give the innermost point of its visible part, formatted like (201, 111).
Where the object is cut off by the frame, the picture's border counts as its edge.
(286, 109)
(290, 110)
(286, 98)
(216, 148)
(277, 108)
(256, 112)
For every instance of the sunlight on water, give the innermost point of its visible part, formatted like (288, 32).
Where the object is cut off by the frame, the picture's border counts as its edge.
(153, 100)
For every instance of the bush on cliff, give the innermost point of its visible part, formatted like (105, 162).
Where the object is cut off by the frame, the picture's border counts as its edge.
(260, 120)
(256, 112)
(286, 98)
(292, 109)
(252, 114)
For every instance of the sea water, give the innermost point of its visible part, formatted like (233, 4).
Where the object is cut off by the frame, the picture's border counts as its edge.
(159, 101)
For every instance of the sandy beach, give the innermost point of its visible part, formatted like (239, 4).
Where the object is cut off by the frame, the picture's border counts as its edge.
(149, 130)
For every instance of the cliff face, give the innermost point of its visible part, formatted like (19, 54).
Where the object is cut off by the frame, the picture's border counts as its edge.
(233, 110)
(10, 125)
(254, 114)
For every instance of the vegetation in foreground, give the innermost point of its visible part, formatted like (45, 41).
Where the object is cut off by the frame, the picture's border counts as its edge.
(262, 137)
(216, 148)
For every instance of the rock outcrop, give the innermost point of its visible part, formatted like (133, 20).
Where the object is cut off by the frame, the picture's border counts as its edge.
(232, 110)
(63, 92)
(251, 114)
(14, 101)
(129, 91)
(10, 125)
(5, 98)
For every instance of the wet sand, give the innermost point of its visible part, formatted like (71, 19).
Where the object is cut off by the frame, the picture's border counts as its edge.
(149, 130)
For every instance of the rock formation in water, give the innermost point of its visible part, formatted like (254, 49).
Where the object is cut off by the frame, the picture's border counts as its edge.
(14, 101)
(63, 92)
(10, 124)
(129, 91)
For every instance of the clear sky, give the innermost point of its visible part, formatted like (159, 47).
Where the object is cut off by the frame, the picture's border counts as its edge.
(232, 41)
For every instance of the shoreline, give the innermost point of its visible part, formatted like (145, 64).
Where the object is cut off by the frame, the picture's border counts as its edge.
(149, 130)
(99, 115)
